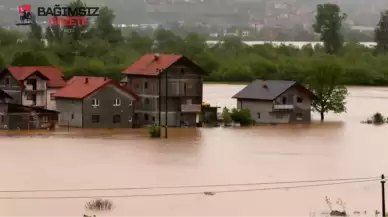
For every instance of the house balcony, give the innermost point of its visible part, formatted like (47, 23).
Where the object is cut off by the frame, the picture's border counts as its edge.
(191, 108)
(283, 107)
(32, 89)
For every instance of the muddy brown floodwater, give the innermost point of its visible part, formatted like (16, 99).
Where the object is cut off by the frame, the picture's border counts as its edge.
(339, 148)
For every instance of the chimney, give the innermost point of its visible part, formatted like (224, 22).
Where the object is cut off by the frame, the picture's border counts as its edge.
(86, 80)
(265, 85)
(156, 57)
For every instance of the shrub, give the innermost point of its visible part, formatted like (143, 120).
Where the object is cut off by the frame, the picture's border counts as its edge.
(99, 205)
(378, 118)
(226, 116)
(154, 131)
(243, 117)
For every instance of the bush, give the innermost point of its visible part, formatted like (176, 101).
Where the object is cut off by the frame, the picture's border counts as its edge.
(226, 116)
(99, 205)
(154, 131)
(243, 117)
(378, 118)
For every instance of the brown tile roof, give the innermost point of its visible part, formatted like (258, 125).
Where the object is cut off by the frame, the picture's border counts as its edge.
(150, 63)
(53, 74)
(79, 87)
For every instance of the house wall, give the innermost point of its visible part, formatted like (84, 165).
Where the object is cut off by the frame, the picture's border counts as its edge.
(106, 110)
(265, 108)
(51, 105)
(3, 116)
(302, 110)
(70, 112)
(184, 85)
(12, 88)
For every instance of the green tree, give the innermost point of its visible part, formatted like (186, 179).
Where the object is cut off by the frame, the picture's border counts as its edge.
(103, 27)
(324, 81)
(30, 58)
(55, 34)
(77, 32)
(381, 33)
(328, 23)
(226, 116)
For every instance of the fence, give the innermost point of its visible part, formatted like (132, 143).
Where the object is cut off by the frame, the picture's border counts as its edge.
(28, 121)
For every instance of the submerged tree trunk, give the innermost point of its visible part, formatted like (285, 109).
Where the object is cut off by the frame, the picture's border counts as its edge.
(322, 116)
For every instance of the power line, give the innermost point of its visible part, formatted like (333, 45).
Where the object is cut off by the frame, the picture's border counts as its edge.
(183, 194)
(183, 186)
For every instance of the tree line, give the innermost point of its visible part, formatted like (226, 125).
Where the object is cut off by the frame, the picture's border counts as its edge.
(100, 49)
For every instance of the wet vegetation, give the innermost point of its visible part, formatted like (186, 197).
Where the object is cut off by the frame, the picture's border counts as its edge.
(376, 119)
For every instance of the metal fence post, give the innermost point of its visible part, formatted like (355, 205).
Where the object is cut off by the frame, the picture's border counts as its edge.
(383, 194)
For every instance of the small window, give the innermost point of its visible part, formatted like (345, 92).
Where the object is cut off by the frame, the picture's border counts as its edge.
(31, 97)
(72, 116)
(146, 117)
(2, 118)
(189, 101)
(284, 100)
(182, 70)
(137, 86)
(116, 119)
(52, 96)
(299, 116)
(153, 118)
(146, 85)
(130, 103)
(299, 99)
(95, 119)
(31, 81)
(258, 115)
(146, 101)
(72, 102)
(130, 119)
(116, 102)
(95, 102)
(7, 81)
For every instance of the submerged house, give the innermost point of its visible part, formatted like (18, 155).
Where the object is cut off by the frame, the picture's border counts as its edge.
(32, 85)
(95, 102)
(170, 90)
(17, 116)
(276, 101)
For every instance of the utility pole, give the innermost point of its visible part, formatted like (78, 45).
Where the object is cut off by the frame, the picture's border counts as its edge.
(166, 125)
(160, 101)
(383, 194)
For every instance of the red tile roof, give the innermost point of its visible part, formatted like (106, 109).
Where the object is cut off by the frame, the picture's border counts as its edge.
(79, 87)
(148, 64)
(53, 74)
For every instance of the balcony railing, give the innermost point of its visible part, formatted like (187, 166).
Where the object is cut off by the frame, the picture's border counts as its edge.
(37, 88)
(283, 107)
(191, 107)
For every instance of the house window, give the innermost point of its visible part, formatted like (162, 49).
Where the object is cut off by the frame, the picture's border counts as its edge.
(31, 97)
(130, 119)
(299, 116)
(31, 81)
(146, 85)
(146, 101)
(153, 119)
(258, 115)
(189, 101)
(284, 100)
(95, 102)
(72, 116)
(146, 117)
(182, 70)
(116, 102)
(7, 81)
(72, 102)
(2, 119)
(95, 119)
(52, 96)
(137, 86)
(130, 103)
(116, 119)
(299, 99)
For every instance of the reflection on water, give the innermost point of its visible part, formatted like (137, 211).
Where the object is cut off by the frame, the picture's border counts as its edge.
(339, 148)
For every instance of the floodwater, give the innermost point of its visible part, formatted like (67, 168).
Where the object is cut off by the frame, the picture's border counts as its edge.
(340, 148)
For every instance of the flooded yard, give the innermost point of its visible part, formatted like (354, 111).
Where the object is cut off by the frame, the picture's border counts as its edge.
(339, 148)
